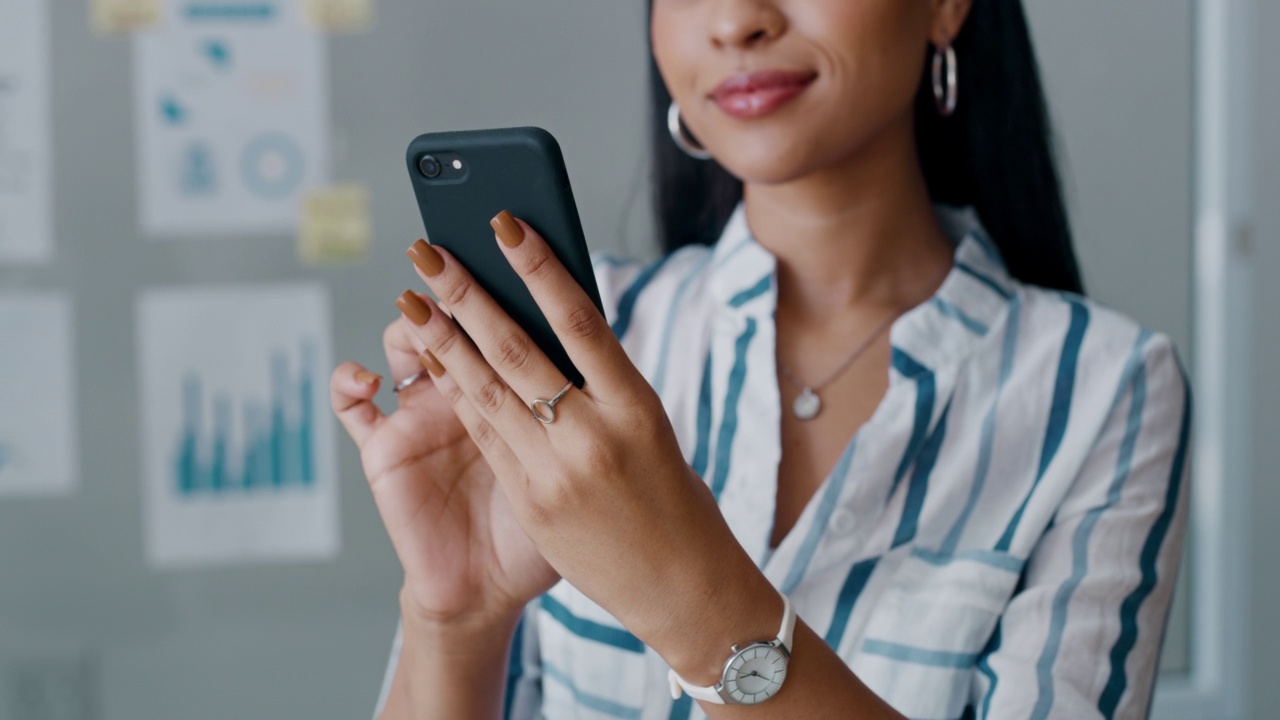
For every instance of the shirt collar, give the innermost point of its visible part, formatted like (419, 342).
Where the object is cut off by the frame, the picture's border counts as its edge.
(975, 296)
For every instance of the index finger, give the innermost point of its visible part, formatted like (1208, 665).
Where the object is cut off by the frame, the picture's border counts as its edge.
(583, 331)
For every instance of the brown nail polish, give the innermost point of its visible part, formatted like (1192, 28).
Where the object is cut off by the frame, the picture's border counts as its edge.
(365, 377)
(430, 362)
(510, 232)
(426, 258)
(413, 308)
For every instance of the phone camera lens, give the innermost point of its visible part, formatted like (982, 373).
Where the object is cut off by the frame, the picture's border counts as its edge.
(430, 166)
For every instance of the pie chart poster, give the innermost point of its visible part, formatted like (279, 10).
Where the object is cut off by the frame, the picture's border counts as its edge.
(231, 112)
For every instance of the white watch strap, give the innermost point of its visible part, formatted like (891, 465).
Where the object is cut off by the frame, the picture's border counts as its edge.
(788, 629)
(705, 694)
(709, 694)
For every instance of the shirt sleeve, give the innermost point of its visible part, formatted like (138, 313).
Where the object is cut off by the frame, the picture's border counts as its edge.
(1082, 635)
(523, 687)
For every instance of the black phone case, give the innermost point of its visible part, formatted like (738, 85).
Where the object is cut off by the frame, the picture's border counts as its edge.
(515, 169)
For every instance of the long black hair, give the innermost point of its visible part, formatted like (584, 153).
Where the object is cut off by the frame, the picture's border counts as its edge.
(994, 154)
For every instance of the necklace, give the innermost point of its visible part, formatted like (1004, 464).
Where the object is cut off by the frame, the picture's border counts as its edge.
(809, 404)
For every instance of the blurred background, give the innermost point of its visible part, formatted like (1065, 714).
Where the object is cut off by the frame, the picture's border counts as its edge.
(166, 256)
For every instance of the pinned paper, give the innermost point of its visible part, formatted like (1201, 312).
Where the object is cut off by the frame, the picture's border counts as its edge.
(340, 16)
(335, 226)
(38, 431)
(26, 142)
(122, 16)
(238, 444)
(232, 103)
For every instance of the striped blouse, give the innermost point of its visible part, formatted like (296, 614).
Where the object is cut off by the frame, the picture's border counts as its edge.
(999, 540)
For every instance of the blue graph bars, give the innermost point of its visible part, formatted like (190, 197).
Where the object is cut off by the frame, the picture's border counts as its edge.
(277, 451)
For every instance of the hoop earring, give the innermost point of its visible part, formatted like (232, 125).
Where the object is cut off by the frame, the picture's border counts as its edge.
(682, 139)
(946, 96)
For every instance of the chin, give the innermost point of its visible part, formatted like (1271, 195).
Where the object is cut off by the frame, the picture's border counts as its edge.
(768, 164)
(776, 153)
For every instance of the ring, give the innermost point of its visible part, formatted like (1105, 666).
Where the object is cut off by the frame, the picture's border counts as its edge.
(405, 383)
(550, 415)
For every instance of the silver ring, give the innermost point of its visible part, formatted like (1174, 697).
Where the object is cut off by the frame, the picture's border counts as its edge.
(405, 383)
(550, 415)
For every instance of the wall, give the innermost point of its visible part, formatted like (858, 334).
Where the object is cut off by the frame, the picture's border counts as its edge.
(80, 612)
(1264, 629)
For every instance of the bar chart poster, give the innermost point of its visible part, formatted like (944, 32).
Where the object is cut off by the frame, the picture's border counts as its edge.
(38, 439)
(237, 438)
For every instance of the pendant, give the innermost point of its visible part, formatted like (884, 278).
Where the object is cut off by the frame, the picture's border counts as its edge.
(808, 405)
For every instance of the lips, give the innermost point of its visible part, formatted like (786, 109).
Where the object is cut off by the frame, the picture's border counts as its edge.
(761, 93)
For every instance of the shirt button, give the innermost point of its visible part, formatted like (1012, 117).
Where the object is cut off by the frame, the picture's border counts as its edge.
(842, 521)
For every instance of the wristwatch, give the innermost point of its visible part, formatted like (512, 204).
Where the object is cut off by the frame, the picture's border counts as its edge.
(752, 675)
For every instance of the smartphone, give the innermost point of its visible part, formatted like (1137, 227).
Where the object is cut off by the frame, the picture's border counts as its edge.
(463, 179)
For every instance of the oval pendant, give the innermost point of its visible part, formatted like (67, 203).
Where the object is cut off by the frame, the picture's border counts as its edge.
(808, 405)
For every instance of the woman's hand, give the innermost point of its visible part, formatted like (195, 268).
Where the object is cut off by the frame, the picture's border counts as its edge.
(464, 555)
(604, 490)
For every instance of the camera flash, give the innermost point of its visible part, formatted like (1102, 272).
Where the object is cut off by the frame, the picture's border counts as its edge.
(457, 164)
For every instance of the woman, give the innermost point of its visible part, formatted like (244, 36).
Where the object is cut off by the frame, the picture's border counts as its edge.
(896, 422)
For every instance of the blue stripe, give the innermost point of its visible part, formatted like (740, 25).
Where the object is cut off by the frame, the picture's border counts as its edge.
(752, 292)
(729, 421)
(1059, 411)
(984, 667)
(627, 303)
(515, 669)
(999, 561)
(230, 11)
(1007, 357)
(988, 248)
(849, 593)
(985, 279)
(1118, 681)
(926, 388)
(591, 630)
(818, 528)
(701, 451)
(587, 700)
(681, 709)
(951, 311)
(919, 656)
(919, 486)
(677, 304)
(612, 261)
(1135, 381)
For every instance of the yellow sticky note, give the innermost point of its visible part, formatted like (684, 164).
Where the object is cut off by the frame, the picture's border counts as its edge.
(120, 16)
(340, 16)
(335, 226)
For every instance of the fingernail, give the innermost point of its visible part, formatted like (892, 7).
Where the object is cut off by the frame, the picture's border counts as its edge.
(430, 362)
(413, 308)
(426, 258)
(510, 232)
(365, 377)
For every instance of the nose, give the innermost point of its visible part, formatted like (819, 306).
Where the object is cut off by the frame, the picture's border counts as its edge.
(745, 24)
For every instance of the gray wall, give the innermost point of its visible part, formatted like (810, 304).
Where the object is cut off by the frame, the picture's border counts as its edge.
(81, 613)
(1265, 593)
(81, 616)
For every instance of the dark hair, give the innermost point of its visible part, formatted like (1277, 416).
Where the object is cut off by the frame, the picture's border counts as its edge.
(994, 154)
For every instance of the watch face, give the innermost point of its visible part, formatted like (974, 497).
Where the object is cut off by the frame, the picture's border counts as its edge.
(755, 674)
